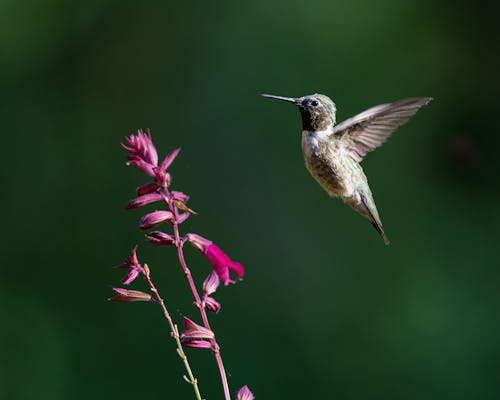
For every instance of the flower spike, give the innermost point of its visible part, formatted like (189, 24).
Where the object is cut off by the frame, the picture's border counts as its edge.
(173, 210)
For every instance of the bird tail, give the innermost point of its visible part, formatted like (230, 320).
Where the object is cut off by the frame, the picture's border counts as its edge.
(379, 229)
(368, 210)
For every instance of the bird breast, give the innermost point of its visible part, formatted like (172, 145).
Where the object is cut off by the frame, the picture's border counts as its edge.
(323, 159)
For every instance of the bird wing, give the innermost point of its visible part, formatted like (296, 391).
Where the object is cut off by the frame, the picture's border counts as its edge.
(368, 130)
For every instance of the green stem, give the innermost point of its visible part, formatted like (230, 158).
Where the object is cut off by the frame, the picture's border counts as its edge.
(175, 333)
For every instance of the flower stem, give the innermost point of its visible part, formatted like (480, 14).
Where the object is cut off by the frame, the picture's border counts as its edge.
(199, 304)
(175, 333)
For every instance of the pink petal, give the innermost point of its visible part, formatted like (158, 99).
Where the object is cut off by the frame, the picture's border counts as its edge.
(237, 268)
(220, 262)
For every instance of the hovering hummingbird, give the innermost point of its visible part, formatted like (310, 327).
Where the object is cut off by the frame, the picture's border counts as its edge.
(332, 153)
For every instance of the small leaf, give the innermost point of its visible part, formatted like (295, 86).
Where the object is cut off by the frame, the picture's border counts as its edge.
(181, 206)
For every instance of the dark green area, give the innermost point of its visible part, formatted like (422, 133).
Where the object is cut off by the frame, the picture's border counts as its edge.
(325, 310)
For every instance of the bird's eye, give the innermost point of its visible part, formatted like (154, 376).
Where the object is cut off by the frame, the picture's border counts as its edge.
(314, 103)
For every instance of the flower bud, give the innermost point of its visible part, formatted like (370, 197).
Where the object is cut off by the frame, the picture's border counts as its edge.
(244, 394)
(150, 187)
(194, 331)
(141, 165)
(197, 344)
(169, 159)
(143, 200)
(131, 261)
(182, 197)
(141, 146)
(126, 296)
(155, 218)
(211, 283)
(211, 304)
(131, 275)
(159, 238)
(182, 217)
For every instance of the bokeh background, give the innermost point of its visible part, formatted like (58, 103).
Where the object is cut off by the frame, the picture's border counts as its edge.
(325, 309)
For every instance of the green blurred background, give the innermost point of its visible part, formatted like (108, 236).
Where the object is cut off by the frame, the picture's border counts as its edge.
(325, 310)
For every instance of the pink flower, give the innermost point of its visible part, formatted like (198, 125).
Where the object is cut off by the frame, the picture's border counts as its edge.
(220, 261)
(244, 394)
(223, 264)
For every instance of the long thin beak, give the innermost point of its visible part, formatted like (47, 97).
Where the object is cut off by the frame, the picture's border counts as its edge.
(289, 99)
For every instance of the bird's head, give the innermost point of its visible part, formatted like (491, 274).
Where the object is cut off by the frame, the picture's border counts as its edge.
(317, 110)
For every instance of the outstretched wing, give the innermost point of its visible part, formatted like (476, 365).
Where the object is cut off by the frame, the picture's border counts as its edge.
(368, 130)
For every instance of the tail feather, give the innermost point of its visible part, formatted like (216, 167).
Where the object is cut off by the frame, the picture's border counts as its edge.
(374, 218)
(366, 207)
(379, 229)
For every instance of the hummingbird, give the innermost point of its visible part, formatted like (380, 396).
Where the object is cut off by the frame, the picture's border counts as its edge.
(333, 152)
